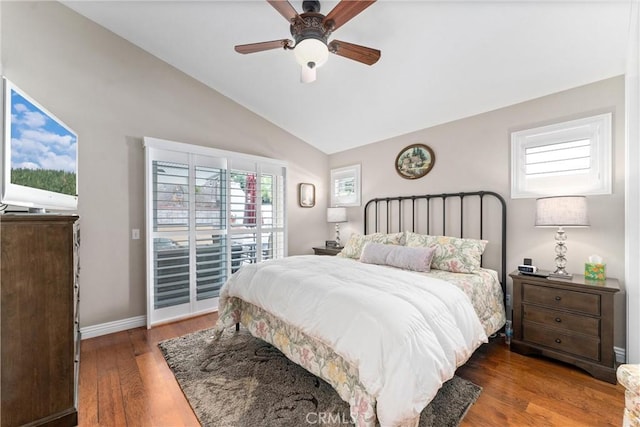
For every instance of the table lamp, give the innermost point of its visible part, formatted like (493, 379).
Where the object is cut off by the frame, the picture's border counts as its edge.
(337, 215)
(561, 211)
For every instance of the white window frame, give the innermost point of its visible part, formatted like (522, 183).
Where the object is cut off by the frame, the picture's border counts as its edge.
(594, 180)
(345, 173)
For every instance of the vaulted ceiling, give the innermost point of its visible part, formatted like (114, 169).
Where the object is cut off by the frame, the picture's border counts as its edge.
(441, 60)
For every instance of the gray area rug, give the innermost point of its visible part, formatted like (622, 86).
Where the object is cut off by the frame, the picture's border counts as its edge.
(241, 381)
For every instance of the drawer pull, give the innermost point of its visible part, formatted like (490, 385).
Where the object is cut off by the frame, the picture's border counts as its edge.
(558, 298)
(558, 340)
(558, 319)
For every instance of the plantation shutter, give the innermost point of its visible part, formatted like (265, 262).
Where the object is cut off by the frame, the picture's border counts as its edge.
(257, 212)
(558, 159)
(572, 157)
(170, 242)
(188, 213)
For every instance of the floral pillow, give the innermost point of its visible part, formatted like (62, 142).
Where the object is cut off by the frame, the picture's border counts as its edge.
(453, 254)
(354, 246)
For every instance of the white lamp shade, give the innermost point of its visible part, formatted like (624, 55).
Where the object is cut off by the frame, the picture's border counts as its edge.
(562, 211)
(336, 214)
(311, 51)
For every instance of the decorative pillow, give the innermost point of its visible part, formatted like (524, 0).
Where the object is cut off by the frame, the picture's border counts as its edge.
(451, 253)
(416, 259)
(354, 246)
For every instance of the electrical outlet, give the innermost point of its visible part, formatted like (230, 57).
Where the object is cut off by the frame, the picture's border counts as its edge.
(508, 300)
(135, 234)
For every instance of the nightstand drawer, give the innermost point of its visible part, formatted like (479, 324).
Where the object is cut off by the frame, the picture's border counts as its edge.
(568, 342)
(562, 320)
(561, 299)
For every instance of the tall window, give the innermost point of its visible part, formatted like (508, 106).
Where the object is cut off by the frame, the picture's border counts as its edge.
(208, 212)
(572, 157)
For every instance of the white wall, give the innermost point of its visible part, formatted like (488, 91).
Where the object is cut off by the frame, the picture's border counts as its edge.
(474, 154)
(112, 94)
(632, 92)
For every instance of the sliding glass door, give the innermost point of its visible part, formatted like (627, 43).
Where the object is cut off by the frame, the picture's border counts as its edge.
(207, 215)
(256, 228)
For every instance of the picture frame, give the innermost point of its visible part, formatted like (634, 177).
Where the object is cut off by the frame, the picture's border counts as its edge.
(306, 195)
(415, 161)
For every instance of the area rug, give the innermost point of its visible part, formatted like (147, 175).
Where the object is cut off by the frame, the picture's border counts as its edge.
(241, 381)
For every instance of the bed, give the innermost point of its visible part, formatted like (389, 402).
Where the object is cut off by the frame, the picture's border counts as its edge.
(385, 338)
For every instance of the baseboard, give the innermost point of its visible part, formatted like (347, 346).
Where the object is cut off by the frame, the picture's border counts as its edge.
(111, 327)
(138, 321)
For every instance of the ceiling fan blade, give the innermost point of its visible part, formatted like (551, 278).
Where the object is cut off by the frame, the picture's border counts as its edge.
(344, 11)
(259, 47)
(285, 9)
(363, 54)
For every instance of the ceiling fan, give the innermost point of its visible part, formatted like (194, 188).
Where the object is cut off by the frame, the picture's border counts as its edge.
(311, 31)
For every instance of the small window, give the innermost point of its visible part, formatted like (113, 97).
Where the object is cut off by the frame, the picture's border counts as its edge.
(572, 157)
(345, 186)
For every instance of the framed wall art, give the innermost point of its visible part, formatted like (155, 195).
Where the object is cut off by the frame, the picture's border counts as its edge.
(306, 195)
(415, 161)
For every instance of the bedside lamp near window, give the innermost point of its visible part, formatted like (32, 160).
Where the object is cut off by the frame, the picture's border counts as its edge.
(337, 215)
(561, 211)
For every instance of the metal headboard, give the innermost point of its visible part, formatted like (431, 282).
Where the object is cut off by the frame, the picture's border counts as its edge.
(384, 213)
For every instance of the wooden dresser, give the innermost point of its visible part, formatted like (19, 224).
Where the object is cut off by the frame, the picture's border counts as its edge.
(39, 327)
(568, 320)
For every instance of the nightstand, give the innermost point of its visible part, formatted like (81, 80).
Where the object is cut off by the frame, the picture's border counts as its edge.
(323, 250)
(567, 320)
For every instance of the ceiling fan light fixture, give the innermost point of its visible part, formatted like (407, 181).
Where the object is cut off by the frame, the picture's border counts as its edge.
(311, 31)
(311, 53)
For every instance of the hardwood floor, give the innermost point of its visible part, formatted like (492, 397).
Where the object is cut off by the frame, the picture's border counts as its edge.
(124, 381)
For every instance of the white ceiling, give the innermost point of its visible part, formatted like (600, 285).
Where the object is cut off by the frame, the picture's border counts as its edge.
(441, 60)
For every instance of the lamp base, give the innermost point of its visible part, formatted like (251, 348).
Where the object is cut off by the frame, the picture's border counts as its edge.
(561, 260)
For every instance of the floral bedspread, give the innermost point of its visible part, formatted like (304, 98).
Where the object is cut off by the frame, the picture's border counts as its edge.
(347, 322)
(485, 292)
(313, 355)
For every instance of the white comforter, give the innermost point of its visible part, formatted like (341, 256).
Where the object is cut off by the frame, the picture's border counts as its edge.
(405, 332)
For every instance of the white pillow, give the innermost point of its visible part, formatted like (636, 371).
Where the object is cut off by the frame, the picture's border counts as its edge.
(416, 259)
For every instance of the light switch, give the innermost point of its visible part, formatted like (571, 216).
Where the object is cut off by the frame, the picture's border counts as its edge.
(135, 234)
